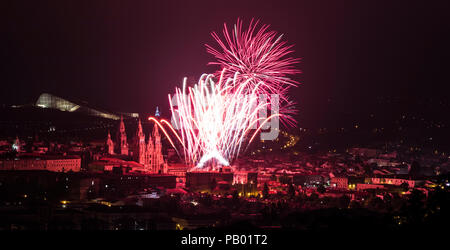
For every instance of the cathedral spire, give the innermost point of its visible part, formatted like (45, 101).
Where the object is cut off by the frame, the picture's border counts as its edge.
(110, 144)
(149, 152)
(123, 145)
(122, 125)
(139, 132)
(155, 131)
(139, 146)
(157, 161)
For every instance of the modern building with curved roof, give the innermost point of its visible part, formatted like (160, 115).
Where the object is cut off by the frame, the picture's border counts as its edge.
(50, 101)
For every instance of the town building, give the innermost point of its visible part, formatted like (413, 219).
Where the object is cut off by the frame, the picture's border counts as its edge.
(390, 181)
(49, 163)
(339, 182)
(202, 180)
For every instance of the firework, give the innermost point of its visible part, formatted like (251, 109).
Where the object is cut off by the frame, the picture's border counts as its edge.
(215, 118)
(260, 55)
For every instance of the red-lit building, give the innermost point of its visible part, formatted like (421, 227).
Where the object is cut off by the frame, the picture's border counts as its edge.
(365, 186)
(198, 180)
(339, 182)
(390, 181)
(50, 163)
(244, 177)
(179, 170)
(307, 180)
(147, 153)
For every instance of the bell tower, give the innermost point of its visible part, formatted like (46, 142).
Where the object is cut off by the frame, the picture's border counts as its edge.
(158, 164)
(110, 144)
(139, 147)
(123, 144)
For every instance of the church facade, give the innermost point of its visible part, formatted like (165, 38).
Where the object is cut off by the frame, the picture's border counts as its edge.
(147, 152)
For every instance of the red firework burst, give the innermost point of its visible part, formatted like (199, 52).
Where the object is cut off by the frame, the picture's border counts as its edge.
(260, 55)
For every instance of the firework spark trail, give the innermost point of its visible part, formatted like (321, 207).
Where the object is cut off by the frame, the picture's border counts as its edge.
(157, 123)
(215, 118)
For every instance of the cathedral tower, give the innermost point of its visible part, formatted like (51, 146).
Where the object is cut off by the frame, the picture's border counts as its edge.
(110, 144)
(157, 162)
(123, 144)
(139, 146)
(148, 153)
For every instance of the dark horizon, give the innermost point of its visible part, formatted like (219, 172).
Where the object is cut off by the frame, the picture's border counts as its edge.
(128, 57)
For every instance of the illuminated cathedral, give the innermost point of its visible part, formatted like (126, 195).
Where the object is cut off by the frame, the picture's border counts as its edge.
(145, 152)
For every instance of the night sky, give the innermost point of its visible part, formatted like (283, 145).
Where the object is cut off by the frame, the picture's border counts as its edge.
(128, 55)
